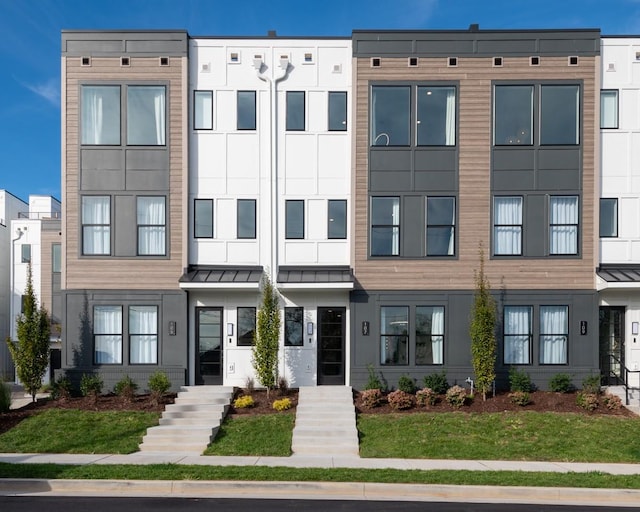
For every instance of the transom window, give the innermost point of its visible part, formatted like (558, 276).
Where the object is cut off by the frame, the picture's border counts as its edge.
(441, 216)
(563, 225)
(385, 226)
(151, 225)
(429, 334)
(293, 327)
(507, 226)
(96, 225)
(394, 335)
(517, 334)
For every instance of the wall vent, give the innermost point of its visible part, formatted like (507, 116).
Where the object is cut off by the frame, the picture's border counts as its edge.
(375, 62)
(452, 62)
(413, 62)
(497, 62)
(534, 61)
(337, 68)
(164, 61)
(125, 62)
(308, 58)
(205, 68)
(85, 61)
(234, 58)
(611, 66)
(573, 61)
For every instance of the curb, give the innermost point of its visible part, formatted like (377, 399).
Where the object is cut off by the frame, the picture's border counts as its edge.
(322, 491)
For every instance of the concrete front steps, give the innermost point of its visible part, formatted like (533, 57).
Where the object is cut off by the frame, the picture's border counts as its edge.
(634, 396)
(191, 422)
(325, 422)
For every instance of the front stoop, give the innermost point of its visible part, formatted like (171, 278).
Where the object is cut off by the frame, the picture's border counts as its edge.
(325, 422)
(191, 422)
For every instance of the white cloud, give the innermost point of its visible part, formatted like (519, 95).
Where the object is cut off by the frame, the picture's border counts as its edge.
(49, 90)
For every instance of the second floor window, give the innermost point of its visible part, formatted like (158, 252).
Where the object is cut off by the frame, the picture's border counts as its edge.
(203, 110)
(436, 123)
(337, 111)
(146, 113)
(563, 225)
(295, 110)
(441, 217)
(26, 253)
(96, 225)
(246, 218)
(507, 226)
(385, 226)
(294, 219)
(608, 217)
(100, 105)
(203, 218)
(151, 226)
(609, 109)
(246, 110)
(337, 217)
(56, 258)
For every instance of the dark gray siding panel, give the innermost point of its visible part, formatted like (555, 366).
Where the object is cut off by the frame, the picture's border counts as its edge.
(147, 159)
(385, 47)
(497, 47)
(148, 180)
(390, 160)
(102, 159)
(390, 182)
(536, 226)
(566, 46)
(114, 43)
(88, 47)
(451, 47)
(559, 158)
(435, 160)
(506, 181)
(559, 180)
(513, 159)
(413, 227)
(102, 180)
(125, 226)
(436, 181)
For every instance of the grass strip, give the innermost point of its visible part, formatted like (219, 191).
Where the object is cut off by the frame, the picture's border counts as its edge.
(284, 474)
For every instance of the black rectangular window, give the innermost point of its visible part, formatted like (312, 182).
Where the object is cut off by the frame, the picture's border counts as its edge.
(513, 115)
(394, 335)
(609, 109)
(26, 253)
(294, 219)
(293, 327)
(246, 218)
(337, 111)
(337, 210)
(100, 114)
(559, 114)
(143, 334)
(608, 217)
(96, 225)
(246, 326)
(429, 334)
(203, 110)
(56, 258)
(441, 226)
(390, 115)
(563, 225)
(151, 225)
(517, 327)
(295, 110)
(246, 111)
(203, 218)
(436, 119)
(385, 226)
(507, 226)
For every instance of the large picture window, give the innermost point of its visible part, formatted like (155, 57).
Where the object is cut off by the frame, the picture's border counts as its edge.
(513, 115)
(436, 120)
(517, 334)
(554, 332)
(293, 327)
(146, 112)
(394, 335)
(507, 226)
(429, 334)
(441, 221)
(246, 326)
(390, 115)
(96, 225)
(100, 114)
(563, 228)
(385, 226)
(107, 334)
(151, 226)
(143, 334)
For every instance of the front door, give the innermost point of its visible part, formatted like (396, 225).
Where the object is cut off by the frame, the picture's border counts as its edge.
(612, 345)
(331, 327)
(209, 346)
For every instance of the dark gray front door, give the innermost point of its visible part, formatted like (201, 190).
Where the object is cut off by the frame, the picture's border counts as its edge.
(209, 345)
(331, 328)
(612, 345)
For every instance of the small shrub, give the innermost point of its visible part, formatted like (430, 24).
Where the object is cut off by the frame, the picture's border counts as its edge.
(126, 388)
(426, 396)
(520, 398)
(61, 389)
(91, 385)
(519, 380)
(282, 405)
(407, 384)
(159, 384)
(400, 400)
(283, 386)
(249, 384)
(456, 396)
(243, 402)
(561, 383)
(591, 385)
(612, 402)
(371, 398)
(588, 401)
(373, 381)
(437, 382)
(5, 397)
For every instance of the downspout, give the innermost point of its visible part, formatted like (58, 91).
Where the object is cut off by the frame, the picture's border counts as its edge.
(12, 315)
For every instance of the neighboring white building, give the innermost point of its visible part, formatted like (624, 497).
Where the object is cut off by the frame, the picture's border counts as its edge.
(619, 270)
(36, 241)
(269, 192)
(10, 208)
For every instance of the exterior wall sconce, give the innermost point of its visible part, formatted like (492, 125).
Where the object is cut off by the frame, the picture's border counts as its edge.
(309, 328)
(634, 328)
(229, 329)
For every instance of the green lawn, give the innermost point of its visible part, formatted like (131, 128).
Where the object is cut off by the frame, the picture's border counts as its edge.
(74, 431)
(508, 436)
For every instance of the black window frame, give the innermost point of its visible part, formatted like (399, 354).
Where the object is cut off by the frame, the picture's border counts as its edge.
(516, 139)
(528, 335)
(143, 226)
(251, 126)
(577, 226)
(563, 334)
(615, 224)
(430, 335)
(56, 262)
(418, 123)
(617, 101)
(333, 109)
(95, 334)
(385, 226)
(25, 253)
(384, 335)
(289, 204)
(197, 92)
(293, 315)
(120, 88)
(252, 234)
(297, 122)
(331, 222)
(129, 117)
(131, 334)
(243, 339)
(84, 225)
(428, 225)
(496, 225)
(197, 201)
(385, 137)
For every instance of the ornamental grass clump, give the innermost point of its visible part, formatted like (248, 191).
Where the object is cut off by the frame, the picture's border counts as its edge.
(243, 402)
(371, 398)
(456, 396)
(282, 405)
(426, 397)
(400, 400)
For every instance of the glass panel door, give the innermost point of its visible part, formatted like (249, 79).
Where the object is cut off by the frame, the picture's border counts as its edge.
(331, 326)
(209, 346)
(612, 345)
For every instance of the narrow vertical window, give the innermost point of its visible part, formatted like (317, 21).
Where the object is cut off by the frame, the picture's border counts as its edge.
(429, 334)
(563, 228)
(554, 333)
(385, 226)
(295, 110)
(390, 114)
(513, 115)
(56, 258)
(609, 109)
(143, 334)
(203, 110)
(151, 226)
(337, 221)
(246, 326)
(294, 219)
(441, 220)
(293, 324)
(26, 253)
(337, 111)
(394, 335)
(517, 334)
(436, 119)
(507, 226)
(559, 114)
(246, 218)
(146, 115)
(107, 334)
(608, 217)
(96, 225)
(203, 218)
(246, 110)
(100, 114)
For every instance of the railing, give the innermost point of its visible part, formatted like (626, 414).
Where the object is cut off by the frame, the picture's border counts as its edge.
(624, 376)
(39, 215)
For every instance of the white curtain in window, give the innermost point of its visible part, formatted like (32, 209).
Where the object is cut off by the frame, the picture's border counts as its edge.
(553, 334)
(96, 225)
(517, 330)
(107, 329)
(151, 225)
(507, 214)
(159, 112)
(100, 112)
(564, 225)
(437, 334)
(395, 220)
(92, 114)
(143, 333)
(451, 117)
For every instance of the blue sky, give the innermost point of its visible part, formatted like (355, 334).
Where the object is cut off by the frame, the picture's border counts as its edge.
(30, 47)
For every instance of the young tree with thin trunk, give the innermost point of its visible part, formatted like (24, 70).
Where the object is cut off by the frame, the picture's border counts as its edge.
(267, 337)
(31, 352)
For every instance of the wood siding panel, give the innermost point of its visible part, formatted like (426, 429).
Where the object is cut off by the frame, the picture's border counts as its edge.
(475, 76)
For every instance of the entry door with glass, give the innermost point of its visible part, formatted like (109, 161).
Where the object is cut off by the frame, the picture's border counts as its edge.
(209, 346)
(331, 328)
(612, 345)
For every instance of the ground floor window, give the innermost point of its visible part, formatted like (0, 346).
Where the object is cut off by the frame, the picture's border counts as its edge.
(143, 334)
(107, 334)
(554, 332)
(429, 334)
(394, 335)
(517, 334)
